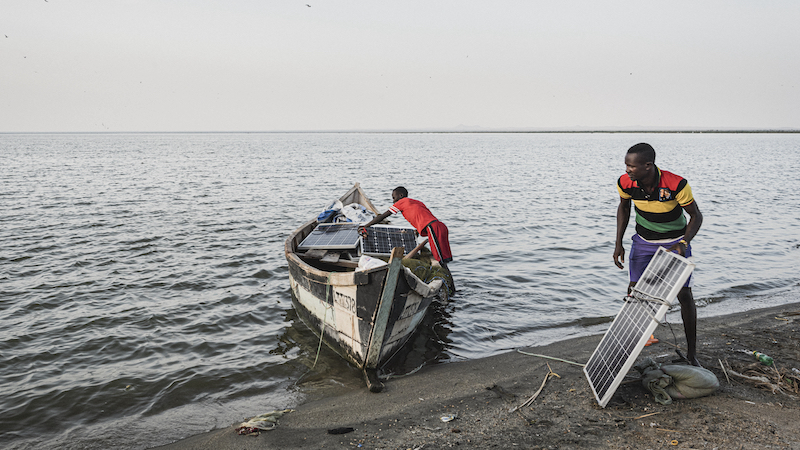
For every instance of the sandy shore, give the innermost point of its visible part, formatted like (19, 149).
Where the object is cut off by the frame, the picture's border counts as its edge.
(742, 414)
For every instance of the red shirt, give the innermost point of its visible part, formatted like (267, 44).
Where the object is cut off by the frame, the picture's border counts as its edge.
(415, 212)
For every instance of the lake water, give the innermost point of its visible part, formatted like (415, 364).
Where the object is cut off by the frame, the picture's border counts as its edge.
(144, 293)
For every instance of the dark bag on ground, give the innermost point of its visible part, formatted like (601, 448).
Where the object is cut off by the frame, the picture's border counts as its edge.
(676, 381)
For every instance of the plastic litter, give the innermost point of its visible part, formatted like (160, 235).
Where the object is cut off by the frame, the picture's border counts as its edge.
(448, 418)
(264, 422)
(763, 359)
(329, 211)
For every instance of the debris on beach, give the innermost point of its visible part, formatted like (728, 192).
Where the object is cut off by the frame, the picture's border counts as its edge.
(502, 393)
(763, 358)
(264, 422)
(769, 377)
(530, 400)
(448, 418)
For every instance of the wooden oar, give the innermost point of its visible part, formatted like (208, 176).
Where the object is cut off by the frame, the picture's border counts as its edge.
(416, 249)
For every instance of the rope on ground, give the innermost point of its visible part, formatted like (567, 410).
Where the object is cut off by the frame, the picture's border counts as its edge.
(533, 397)
(551, 357)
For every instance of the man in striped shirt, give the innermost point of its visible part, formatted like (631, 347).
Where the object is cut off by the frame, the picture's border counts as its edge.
(660, 198)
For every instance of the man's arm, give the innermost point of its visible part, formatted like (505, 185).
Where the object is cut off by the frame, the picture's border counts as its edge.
(623, 217)
(362, 228)
(695, 220)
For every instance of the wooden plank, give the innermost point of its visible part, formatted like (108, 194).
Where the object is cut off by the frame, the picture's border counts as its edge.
(316, 253)
(384, 308)
(346, 263)
(416, 249)
(330, 257)
(364, 200)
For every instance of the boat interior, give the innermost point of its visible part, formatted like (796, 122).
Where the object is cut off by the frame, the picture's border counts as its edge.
(347, 259)
(326, 259)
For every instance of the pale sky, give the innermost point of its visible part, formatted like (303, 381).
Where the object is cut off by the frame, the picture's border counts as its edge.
(284, 65)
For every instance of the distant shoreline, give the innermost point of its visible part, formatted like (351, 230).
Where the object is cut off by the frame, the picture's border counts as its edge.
(431, 131)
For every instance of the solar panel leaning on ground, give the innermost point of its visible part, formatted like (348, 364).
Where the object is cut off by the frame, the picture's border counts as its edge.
(643, 310)
(381, 239)
(332, 236)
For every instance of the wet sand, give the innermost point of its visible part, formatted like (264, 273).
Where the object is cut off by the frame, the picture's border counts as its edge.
(743, 414)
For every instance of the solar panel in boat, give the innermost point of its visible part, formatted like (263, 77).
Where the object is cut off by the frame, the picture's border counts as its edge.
(332, 236)
(381, 239)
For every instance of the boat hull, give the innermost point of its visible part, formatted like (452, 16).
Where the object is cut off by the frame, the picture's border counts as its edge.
(343, 311)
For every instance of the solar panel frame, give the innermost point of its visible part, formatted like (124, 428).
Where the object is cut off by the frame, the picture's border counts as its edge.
(654, 293)
(381, 239)
(332, 236)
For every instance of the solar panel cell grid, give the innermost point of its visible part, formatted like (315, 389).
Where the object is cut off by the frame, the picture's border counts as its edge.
(338, 236)
(380, 240)
(620, 341)
(652, 296)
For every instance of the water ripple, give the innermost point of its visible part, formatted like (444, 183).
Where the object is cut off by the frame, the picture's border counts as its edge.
(144, 285)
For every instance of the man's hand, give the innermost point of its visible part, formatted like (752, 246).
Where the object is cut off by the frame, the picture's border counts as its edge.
(623, 215)
(679, 248)
(619, 256)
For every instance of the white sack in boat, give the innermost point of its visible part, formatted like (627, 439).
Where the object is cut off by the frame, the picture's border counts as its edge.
(367, 262)
(357, 213)
(420, 287)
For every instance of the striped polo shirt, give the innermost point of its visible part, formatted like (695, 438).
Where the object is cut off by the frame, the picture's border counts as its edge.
(660, 215)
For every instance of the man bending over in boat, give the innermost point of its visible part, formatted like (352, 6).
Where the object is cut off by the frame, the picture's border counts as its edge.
(420, 217)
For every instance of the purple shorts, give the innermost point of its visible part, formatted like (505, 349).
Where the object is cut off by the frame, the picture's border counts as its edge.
(642, 252)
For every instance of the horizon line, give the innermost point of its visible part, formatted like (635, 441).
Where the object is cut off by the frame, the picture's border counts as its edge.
(457, 130)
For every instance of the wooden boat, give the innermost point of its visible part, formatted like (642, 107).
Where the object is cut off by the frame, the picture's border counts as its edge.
(364, 315)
